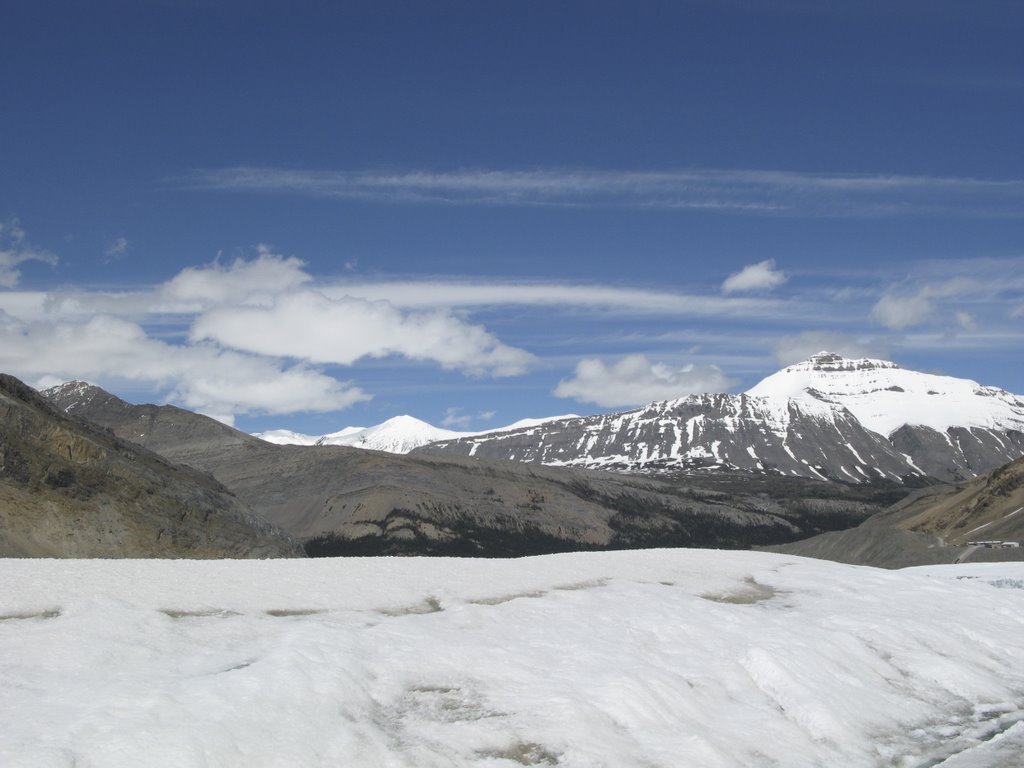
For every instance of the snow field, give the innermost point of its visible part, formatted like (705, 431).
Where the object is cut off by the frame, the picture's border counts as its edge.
(647, 658)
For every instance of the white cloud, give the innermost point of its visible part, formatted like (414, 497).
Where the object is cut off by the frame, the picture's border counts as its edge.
(117, 248)
(799, 347)
(310, 326)
(762, 276)
(966, 320)
(635, 380)
(899, 312)
(201, 377)
(246, 317)
(737, 191)
(199, 288)
(454, 418)
(14, 250)
(254, 281)
(437, 293)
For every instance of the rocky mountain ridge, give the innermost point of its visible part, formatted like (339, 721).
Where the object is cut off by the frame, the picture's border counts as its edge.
(342, 500)
(818, 419)
(69, 488)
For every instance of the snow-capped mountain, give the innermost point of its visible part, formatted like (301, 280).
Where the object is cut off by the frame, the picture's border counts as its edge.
(828, 417)
(884, 397)
(399, 434)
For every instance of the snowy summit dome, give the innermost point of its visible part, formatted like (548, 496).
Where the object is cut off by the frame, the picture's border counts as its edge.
(884, 397)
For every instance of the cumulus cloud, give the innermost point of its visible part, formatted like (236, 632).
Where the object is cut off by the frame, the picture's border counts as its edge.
(799, 347)
(241, 321)
(309, 325)
(635, 380)
(218, 382)
(762, 276)
(14, 250)
(254, 281)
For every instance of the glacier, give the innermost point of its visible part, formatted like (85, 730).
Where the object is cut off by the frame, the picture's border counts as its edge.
(656, 658)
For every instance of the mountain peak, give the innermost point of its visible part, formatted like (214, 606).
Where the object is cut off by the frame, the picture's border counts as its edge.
(884, 396)
(73, 394)
(830, 361)
(75, 387)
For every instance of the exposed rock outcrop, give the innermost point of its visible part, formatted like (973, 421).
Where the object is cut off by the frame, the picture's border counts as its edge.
(71, 489)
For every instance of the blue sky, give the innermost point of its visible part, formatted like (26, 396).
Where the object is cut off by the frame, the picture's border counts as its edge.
(308, 215)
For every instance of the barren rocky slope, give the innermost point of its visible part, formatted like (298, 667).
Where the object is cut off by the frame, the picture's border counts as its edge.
(71, 489)
(351, 501)
(934, 525)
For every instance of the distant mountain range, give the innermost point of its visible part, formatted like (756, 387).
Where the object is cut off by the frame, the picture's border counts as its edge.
(850, 420)
(341, 500)
(399, 434)
(869, 423)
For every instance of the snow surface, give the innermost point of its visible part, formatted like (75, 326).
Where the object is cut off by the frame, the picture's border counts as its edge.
(884, 396)
(645, 658)
(399, 434)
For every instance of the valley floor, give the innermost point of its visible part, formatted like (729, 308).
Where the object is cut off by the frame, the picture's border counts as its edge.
(651, 658)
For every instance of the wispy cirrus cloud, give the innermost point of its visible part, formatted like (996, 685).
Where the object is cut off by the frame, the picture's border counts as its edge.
(412, 294)
(750, 192)
(15, 249)
(916, 303)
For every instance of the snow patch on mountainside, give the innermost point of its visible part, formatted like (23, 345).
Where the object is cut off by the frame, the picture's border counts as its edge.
(884, 396)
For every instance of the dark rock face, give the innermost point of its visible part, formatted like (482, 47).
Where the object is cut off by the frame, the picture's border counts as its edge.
(351, 501)
(958, 453)
(830, 361)
(736, 432)
(71, 489)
